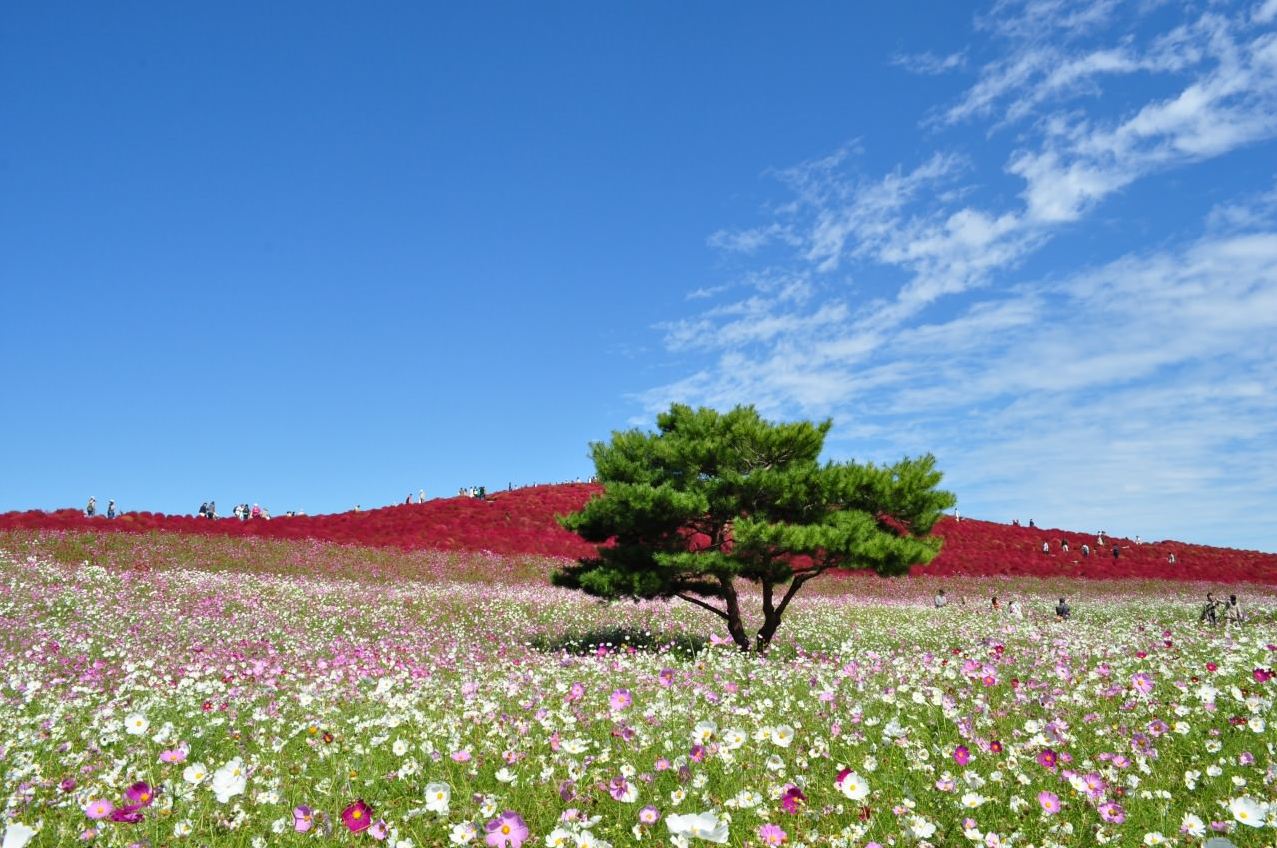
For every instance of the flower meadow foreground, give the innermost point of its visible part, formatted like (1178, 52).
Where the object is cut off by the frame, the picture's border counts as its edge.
(183, 706)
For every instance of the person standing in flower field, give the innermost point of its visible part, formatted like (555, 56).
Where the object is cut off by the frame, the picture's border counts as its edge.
(941, 600)
(91, 508)
(1062, 610)
(110, 509)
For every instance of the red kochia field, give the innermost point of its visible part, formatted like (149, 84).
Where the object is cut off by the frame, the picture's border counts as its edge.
(522, 522)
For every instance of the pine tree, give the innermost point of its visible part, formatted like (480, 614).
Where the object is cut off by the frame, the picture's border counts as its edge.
(712, 502)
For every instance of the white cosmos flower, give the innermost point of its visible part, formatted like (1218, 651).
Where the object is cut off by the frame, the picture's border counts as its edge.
(706, 826)
(734, 738)
(183, 828)
(136, 724)
(972, 800)
(1193, 826)
(558, 838)
(782, 735)
(17, 835)
(921, 828)
(1154, 838)
(575, 746)
(195, 773)
(399, 748)
(855, 787)
(463, 833)
(703, 732)
(437, 797)
(1248, 811)
(505, 775)
(229, 780)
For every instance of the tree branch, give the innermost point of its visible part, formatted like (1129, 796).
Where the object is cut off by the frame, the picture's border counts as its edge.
(702, 604)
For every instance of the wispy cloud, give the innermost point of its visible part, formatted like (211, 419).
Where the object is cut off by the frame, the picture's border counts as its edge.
(929, 64)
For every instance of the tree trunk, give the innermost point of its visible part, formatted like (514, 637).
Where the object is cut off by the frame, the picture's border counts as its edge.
(735, 626)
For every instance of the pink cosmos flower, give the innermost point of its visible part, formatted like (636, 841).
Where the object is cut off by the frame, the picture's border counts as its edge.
(772, 834)
(1142, 682)
(462, 756)
(666, 677)
(379, 830)
(1050, 802)
(303, 818)
(649, 815)
(98, 809)
(1112, 812)
(357, 816)
(575, 692)
(173, 755)
(621, 699)
(962, 755)
(1262, 675)
(507, 829)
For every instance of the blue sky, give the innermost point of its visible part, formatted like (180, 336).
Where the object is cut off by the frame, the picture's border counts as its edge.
(325, 254)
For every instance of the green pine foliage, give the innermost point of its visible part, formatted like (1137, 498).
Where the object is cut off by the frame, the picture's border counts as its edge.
(711, 499)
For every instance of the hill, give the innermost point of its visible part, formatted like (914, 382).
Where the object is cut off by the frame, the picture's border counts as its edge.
(521, 521)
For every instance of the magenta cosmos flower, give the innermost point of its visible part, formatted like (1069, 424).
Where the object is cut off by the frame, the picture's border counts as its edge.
(962, 755)
(792, 798)
(507, 829)
(357, 817)
(1047, 758)
(140, 794)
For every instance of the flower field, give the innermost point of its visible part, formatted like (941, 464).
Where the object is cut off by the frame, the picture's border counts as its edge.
(167, 690)
(521, 522)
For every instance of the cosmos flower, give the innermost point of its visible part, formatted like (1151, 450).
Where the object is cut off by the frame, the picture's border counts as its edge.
(1049, 801)
(620, 699)
(438, 796)
(962, 755)
(852, 785)
(1248, 811)
(229, 780)
(772, 834)
(303, 818)
(99, 809)
(357, 816)
(507, 829)
(706, 826)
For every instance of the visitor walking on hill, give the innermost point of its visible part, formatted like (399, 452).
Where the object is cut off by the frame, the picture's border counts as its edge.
(993, 604)
(1171, 558)
(256, 511)
(1117, 552)
(1064, 545)
(421, 496)
(1046, 547)
(91, 508)
(1086, 550)
(1015, 610)
(941, 600)
(110, 509)
(1062, 611)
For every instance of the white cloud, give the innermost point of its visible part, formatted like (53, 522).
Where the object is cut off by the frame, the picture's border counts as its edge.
(929, 64)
